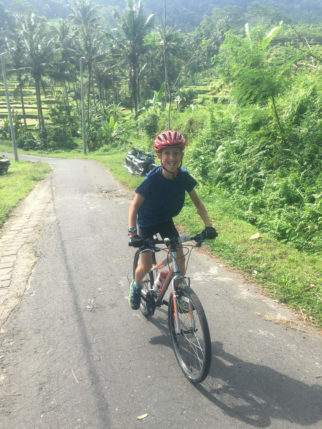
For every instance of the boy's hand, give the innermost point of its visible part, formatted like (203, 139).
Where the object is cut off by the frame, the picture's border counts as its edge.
(209, 232)
(136, 241)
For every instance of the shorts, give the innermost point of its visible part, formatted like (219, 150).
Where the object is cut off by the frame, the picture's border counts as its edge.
(165, 229)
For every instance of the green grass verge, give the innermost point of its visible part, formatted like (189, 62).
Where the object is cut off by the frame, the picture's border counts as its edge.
(17, 183)
(292, 277)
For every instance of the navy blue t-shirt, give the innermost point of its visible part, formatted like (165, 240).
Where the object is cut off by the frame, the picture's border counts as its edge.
(163, 198)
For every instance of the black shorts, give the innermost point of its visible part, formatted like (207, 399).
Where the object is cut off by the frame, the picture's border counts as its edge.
(165, 229)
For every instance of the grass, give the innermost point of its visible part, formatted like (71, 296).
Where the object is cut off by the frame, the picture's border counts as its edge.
(291, 276)
(17, 183)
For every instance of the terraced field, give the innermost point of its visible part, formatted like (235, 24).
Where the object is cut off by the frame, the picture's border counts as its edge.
(29, 94)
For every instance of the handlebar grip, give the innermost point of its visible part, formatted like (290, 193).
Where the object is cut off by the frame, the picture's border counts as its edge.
(136, 243)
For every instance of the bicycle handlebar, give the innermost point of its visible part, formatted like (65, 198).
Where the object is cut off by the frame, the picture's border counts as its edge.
(151, 242)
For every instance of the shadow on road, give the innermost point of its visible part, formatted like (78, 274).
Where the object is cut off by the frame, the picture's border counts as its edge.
(252, 393)
(255, 394)
(98, 390)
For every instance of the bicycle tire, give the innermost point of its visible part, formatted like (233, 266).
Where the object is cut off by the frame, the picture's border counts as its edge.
(192, 347)
(148, 282)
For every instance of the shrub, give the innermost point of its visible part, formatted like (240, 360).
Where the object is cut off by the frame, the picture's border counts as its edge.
(62, 116)
(59, 138)
(149, 123)
(27, 141)
(17, 125)
(185, 97)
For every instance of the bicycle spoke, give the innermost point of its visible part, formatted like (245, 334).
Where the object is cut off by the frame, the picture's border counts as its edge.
(192, 346)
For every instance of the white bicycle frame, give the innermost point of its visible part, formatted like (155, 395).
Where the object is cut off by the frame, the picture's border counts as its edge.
(174, 272)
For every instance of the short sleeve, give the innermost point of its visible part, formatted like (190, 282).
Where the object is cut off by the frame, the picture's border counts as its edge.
(190, 182)
(143, 188)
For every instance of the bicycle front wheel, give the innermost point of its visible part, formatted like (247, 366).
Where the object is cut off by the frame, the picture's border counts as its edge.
(147, 284)
(192, 345)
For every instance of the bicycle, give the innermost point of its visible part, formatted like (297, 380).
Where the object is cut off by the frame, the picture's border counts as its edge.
(187, 321)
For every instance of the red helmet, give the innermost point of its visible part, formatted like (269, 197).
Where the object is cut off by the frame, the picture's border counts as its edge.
(168, 139)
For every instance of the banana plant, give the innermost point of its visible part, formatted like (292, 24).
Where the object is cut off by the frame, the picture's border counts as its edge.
(108, 128)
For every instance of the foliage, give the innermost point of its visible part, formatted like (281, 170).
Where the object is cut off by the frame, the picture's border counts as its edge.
(105, 130)
(149, 122)
(128, 41)
(62, 116)
(185, 98)
(18, 128)
(275, 184)
(52, 139)
(27, 141)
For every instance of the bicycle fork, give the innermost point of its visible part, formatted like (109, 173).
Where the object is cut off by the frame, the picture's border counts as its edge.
(175, 296)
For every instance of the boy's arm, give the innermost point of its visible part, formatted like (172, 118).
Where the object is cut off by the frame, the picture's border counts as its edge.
(201, 209)
(133, 210)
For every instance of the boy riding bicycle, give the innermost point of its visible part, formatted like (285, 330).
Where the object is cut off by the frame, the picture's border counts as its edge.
(158, 199)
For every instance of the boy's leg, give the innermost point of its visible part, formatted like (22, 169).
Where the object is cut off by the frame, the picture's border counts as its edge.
(145, 265)
(169, 230)
(181, 260)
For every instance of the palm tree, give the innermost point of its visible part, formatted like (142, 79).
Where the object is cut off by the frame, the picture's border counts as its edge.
(39, 51)
(129, 39)
(65, 70)
(89, 41)
(6, 25)
(16, 50)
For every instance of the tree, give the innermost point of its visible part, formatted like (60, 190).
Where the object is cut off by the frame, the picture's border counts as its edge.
(6, 24)
(129, 40)
(88, 42)
(164, 44)
(65, 70)
(16, 49)
(39, 50)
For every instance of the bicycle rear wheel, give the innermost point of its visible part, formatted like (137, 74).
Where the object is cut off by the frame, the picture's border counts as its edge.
(192, 346)
(148, 282)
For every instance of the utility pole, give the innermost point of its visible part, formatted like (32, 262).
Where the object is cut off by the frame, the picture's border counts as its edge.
(167, 84)
(12, 129)
(83, 107)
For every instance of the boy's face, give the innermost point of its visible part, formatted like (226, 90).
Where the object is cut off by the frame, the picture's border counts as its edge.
(171, 158)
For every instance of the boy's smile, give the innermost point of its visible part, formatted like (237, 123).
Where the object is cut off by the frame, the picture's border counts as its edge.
(171, 159)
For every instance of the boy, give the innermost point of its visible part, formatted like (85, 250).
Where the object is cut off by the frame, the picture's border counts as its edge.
(158, 199)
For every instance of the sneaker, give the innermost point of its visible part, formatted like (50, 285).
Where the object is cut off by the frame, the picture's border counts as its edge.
(182, 306)
(135, 296)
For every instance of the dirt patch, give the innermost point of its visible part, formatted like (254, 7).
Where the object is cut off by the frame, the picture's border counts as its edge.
(17, 239)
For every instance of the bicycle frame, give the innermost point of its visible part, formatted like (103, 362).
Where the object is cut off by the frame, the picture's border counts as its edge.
(173, 276)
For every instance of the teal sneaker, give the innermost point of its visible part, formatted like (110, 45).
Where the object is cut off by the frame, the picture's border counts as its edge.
(135, 296)
(182, 306)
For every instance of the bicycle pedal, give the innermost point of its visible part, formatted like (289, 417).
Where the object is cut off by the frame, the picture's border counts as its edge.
(165, 302)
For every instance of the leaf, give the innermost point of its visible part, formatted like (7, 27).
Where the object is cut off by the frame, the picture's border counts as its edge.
(142, 417)
(270, 36)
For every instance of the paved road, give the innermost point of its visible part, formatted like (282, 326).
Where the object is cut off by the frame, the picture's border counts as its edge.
(73, 355)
